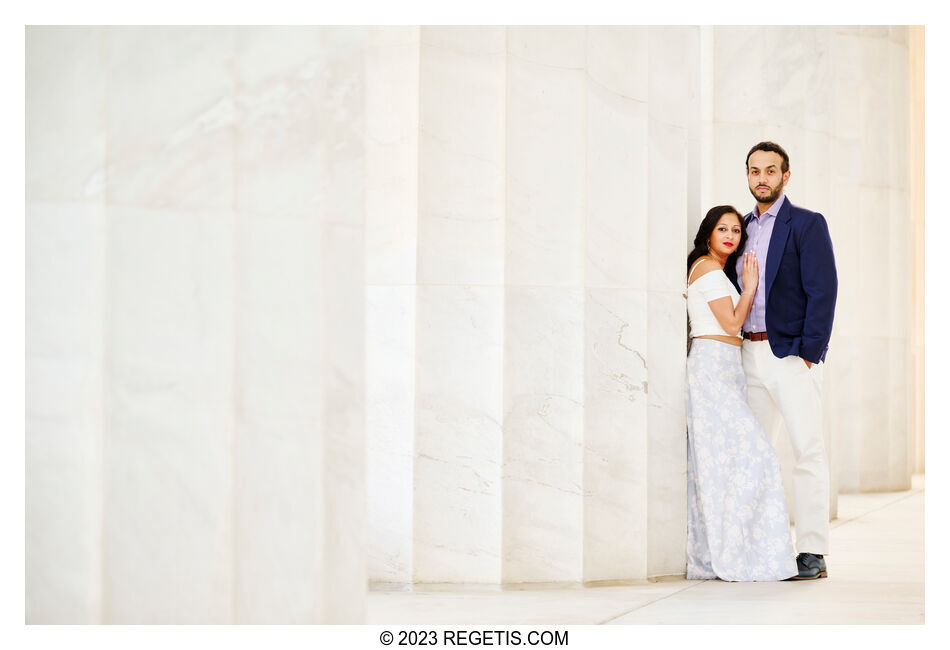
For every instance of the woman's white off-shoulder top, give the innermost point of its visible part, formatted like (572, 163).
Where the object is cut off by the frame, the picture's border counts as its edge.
(711, 286)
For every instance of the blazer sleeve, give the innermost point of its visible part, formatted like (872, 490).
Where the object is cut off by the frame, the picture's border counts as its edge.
(820, 284)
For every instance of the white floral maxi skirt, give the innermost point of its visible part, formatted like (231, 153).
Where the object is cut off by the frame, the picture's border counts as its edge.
(737, 519)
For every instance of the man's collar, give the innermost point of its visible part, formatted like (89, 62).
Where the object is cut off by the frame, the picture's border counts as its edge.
(773, 209)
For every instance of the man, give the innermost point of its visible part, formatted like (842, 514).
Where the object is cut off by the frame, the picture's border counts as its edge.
(786, 337)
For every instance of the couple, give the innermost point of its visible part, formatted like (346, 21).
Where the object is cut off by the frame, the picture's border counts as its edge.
(780, 258)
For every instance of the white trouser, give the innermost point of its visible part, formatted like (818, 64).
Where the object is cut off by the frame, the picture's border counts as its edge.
(788, 387)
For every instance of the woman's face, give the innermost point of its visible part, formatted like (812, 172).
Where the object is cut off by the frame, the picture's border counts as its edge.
(726, 235)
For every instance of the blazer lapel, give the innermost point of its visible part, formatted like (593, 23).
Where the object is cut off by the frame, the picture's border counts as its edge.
(777, 245)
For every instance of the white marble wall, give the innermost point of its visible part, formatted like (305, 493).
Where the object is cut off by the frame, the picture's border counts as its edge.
(915, 386)
(876, 445)
(195, 421)
(65, 320)
(392, 191)
(211, 211)
(542, 438)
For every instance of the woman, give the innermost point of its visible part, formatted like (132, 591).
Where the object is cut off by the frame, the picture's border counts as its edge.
(737, 518)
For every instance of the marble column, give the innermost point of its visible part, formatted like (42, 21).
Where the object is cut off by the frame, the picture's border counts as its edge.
(545, 424)
(298, 448)
(873, 201)
(674, 54)
(65, 317)
(915, 386)
(167, 524)
(392, 191)
(545, 316)
(194, 307)
(457, 442)
(617, 261)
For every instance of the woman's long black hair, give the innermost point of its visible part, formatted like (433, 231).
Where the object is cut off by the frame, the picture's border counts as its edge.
(700, 247)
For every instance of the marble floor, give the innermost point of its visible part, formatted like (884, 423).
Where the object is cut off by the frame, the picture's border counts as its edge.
(876, 575)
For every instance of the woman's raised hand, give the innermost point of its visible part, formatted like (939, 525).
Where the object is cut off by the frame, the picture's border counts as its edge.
(750, 272)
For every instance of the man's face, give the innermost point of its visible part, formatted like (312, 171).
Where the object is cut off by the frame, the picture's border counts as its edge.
(766, 179)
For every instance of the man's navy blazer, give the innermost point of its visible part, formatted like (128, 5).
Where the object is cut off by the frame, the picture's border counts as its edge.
(801, 284)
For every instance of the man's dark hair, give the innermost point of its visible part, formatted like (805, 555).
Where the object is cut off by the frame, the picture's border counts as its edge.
(768, 146)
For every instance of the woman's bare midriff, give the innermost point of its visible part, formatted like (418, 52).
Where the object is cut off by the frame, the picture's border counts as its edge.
(731, 340)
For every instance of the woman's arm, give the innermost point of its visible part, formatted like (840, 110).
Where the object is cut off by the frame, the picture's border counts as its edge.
(731, 319)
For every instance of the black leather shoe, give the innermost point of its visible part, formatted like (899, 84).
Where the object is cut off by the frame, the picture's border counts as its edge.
(810, 567)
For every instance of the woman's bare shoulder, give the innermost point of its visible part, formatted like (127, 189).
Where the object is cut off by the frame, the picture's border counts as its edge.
(703, 266)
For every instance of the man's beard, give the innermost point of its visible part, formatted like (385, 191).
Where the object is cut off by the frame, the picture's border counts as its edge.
(770, 197)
